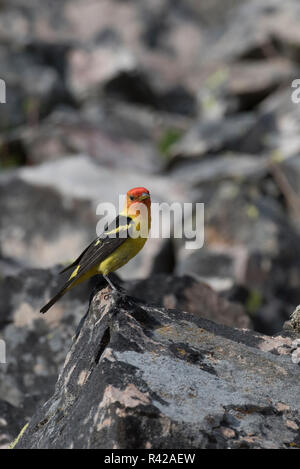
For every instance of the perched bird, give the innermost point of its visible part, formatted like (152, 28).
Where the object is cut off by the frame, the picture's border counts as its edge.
(119, 243)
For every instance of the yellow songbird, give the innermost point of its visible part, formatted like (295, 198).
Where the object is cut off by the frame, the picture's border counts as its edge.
(119, 243)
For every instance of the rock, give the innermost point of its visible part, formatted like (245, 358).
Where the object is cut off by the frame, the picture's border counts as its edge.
(9, 266)
(212, 170)
(32, 89)
(207, 263)
(135, 88)
(33, 236)
(295, 319)
(102, 135)
(280, 117)
(146, 377)
(214, 136)
(257, 30)
(14, 27)
(157, 49)
(212, 13)
(80, 177)
(89, 70)
(227, 89)
(251, 81)
(290, 170)
(188, 294)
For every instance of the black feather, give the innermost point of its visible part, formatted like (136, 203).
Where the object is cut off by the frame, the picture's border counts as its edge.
(56, 297)
(95, 253)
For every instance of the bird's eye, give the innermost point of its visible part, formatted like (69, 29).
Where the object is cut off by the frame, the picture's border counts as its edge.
(131, 197)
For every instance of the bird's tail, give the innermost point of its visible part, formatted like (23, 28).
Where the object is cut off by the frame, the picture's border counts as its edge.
(56, 297)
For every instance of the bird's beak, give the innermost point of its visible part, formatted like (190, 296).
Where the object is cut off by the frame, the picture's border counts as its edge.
(144, 196)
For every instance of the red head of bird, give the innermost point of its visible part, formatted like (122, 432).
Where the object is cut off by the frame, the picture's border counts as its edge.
(136, 196)
(138, 206)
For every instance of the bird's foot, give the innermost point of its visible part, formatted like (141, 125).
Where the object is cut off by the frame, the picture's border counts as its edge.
(116, 290)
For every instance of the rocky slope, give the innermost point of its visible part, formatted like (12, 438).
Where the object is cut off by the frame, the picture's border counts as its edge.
(194, 101)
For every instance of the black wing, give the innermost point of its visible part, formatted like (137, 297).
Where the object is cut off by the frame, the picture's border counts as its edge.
(116, 222)
(114, 235)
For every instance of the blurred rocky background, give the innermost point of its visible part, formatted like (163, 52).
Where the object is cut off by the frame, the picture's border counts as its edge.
(190, 98)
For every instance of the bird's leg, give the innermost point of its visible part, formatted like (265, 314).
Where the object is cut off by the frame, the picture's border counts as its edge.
(113, 287)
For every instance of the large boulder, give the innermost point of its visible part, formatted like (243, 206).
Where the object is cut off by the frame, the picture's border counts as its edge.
(146, 377)
(188, 294)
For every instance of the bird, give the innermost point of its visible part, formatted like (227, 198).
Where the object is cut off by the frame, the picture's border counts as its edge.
(120, 241)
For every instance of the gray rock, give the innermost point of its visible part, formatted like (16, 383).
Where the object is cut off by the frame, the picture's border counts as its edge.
(280, 117)
(191, 295)
(46, 227)
(103, 135)
(295, 319)
(249, 82)
(215, 136)
(254, 30)
(208, 264)
(90, 70)
(241, 86)
(290, 170)
(146, 377)
(32, 89)
(215, 169)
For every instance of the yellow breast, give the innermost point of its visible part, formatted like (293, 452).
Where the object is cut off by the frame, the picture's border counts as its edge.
(121, 255)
